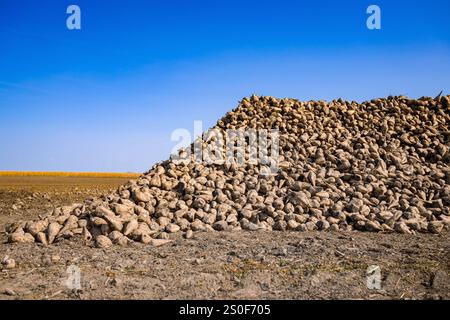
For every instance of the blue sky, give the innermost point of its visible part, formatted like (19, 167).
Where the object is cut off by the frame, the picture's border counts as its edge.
(108, 96)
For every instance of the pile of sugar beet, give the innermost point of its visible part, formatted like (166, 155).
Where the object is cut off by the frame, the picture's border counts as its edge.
(378, 166)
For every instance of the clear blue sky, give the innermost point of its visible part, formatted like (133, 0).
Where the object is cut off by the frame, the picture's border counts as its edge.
(108, 96)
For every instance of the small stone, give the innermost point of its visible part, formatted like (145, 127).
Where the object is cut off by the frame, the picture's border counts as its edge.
(8, 263)
(46, 260)
(114, 281)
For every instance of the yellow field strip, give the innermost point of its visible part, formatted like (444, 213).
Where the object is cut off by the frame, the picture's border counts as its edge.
(68, 174)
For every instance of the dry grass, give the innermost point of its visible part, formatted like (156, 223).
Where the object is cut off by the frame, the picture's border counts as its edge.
(68, 174)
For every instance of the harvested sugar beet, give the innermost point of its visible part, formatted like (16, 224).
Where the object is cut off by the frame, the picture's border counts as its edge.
(378, 166)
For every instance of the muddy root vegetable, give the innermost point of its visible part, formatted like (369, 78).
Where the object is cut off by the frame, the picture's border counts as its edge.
(71, 223)
(103, 242)
(87, 236)
(16, 226)
(36, 227)
(189, 234)
(160, 242)
(19, 236)
(172, 228)
(130, 226)
(122, 241)
(52, 231)
(114, 222)
(96, 221)
(41, 238)
(145, 238)
(115, 235)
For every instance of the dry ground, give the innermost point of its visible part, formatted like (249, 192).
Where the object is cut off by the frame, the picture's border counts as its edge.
(258, 265)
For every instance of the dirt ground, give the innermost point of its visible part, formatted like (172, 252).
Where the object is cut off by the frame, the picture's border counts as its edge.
(216, 265)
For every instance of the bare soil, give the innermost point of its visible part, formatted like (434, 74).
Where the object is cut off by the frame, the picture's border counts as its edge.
(213, 265)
